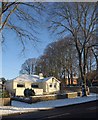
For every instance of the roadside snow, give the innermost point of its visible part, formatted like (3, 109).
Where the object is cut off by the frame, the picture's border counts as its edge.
(21, 107)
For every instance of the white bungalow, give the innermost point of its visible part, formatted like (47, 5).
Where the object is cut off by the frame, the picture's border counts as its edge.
(19, 84)
(39, 84)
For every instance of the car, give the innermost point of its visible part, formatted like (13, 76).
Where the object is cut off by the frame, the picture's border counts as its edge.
(95, 83)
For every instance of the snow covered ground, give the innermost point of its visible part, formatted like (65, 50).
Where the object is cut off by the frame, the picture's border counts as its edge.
(21, 107)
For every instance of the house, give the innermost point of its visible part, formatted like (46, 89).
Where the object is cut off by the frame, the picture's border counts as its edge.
(39, 84)
(0, 87)
(17, 85)
(0, 84)
(75, 80)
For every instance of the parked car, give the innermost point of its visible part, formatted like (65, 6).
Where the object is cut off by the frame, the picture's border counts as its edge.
(95, 83)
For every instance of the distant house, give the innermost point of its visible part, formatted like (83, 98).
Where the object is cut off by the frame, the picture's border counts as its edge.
(0, 84)
(75, 80)
(39, 84)
(2, 87)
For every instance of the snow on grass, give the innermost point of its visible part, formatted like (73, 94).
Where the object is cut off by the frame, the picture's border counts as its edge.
(21, 107)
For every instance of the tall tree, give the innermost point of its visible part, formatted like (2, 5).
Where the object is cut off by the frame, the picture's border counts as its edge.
(78, 20)
(59, 60)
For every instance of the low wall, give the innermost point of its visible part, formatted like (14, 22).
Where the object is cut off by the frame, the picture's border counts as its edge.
(5, 101)
(34, 99)
(72, 95)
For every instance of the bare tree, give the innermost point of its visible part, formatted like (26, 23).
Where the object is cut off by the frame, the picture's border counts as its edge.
(21, 18)
(28, 67)
(78, 20)
(58, 60)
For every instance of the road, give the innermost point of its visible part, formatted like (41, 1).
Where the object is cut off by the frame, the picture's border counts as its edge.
(83, 110)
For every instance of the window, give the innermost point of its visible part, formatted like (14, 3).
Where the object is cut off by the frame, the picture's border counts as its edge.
(20, 85)
(34, 86)
(55, 85)
(50, 85)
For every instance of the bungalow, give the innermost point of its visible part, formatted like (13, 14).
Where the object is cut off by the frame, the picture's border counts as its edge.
(17, 85)
(39, 84)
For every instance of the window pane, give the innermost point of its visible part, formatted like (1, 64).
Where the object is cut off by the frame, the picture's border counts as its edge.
(55, 85)
(34, 86)
(20, 85)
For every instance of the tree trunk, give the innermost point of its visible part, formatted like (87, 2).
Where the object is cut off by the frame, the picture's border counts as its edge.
(84, 71)
(68, 78)
(80, 66)
(71, 77)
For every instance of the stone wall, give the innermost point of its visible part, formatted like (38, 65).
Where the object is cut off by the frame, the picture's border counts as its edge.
(5, 101)
(34, 99)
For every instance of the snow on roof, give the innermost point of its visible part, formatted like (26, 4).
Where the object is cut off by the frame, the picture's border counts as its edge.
(25, 77)
(32, 78)
(36, 76)
(45, 79)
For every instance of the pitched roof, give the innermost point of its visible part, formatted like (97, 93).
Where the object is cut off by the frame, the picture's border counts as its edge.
(31, 78)
(45, 79)
(26, 77)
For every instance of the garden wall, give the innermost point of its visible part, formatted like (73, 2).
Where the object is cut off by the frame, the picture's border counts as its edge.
(5, 101)
(34, 99)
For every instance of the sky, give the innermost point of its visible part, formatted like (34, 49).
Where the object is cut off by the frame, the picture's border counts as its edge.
(12, 58)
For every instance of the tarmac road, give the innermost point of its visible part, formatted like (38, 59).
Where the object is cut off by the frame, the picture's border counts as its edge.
(83, 110)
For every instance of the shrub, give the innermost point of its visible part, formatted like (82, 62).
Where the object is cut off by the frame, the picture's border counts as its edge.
(4, 94)
(29, 92)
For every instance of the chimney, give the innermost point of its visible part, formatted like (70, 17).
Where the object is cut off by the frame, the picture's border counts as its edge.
(41, 76)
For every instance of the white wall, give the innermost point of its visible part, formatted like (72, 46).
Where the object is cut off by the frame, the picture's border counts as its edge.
(38, 91)
(52, 89)
(19, 91)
